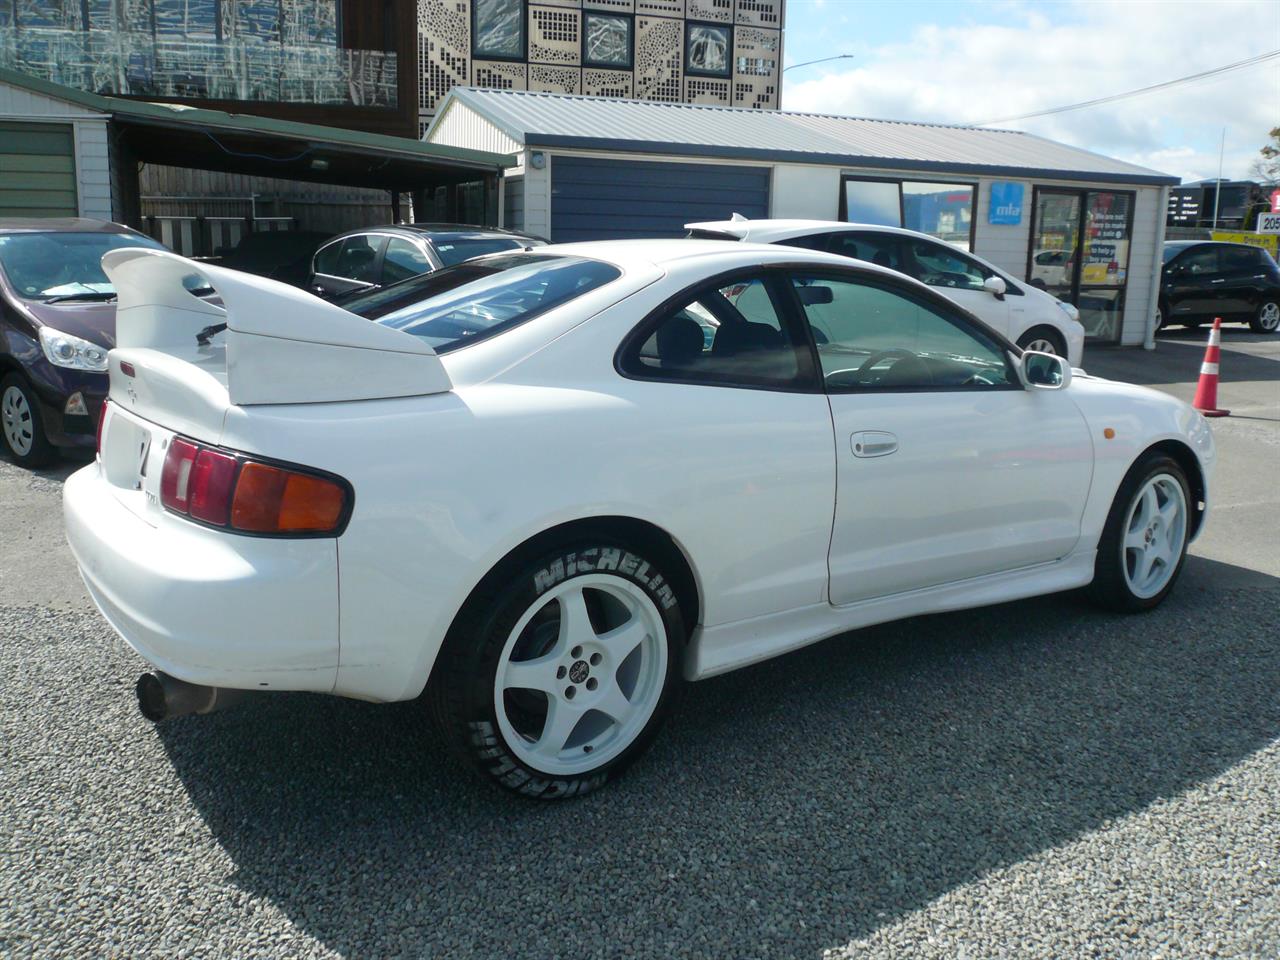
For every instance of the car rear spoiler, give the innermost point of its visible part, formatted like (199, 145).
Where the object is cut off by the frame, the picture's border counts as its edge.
(734, 228)
(282, 345)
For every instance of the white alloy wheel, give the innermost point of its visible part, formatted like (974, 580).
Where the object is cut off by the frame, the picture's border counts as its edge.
(1042, 345)
(1154, 534)
(18, 420)
(1269, 316)
(1159, 320)
(581, 674)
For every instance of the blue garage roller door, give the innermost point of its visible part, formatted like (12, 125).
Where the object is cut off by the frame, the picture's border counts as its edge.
(598, 199)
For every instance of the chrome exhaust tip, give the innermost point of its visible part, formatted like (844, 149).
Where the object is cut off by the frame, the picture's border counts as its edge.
(161, 696)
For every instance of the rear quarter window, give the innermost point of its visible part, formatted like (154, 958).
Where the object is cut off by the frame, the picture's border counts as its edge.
(470, 302)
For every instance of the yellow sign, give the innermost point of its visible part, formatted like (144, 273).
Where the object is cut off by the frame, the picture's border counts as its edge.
(1267, 241)
(1093, 274)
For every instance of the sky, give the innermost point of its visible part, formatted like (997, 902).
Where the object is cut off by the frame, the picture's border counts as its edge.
(967, 61)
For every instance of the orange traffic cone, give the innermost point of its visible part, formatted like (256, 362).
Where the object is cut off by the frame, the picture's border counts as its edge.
(1206, 400)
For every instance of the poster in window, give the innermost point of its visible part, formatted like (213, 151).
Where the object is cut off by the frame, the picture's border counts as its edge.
(707, 51)
(1106, 240)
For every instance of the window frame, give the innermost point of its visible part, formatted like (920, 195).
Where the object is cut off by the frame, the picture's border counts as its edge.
(315, 258)
(728, 60)
(419, 244)
(379, 248)
(522, 56)
(809, 373)
(631, 40)
(951, 313)
(902, 203)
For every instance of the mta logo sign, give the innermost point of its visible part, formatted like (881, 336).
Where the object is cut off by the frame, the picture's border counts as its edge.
(1006, 203)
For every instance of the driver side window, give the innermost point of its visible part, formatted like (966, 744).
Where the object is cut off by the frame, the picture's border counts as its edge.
(871, 337)
(937, 266)
(1200, 262)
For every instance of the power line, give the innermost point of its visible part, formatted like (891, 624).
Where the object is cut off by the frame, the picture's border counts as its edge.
(1204, 75)
(809, 63)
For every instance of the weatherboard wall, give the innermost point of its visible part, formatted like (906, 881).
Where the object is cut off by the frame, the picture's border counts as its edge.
(92, 171)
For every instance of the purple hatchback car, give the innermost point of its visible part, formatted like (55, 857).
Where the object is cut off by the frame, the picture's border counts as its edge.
(57, 322)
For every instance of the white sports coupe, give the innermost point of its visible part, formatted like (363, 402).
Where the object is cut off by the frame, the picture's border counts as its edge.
(544, 487)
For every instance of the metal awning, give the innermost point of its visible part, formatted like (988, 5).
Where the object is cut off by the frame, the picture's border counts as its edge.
(185, 136)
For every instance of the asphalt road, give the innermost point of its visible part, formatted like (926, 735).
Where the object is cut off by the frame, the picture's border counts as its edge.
(1035, 779)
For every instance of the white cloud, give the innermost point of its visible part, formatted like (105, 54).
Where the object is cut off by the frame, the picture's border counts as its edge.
(1020, 62)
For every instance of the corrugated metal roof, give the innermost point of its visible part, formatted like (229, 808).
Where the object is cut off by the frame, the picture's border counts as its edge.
(550, 120)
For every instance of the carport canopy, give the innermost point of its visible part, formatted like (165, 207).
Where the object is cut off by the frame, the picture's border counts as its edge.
(185, 136)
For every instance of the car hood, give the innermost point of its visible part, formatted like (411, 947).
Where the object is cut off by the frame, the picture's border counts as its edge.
(92, 321)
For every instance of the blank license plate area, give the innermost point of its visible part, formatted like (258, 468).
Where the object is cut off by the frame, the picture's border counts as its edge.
(133, 453)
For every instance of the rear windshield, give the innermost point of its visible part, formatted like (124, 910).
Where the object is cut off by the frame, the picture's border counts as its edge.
(456, 249)
(473, 301)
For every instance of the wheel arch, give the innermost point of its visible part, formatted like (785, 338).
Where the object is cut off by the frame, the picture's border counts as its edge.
(1186, 458)
(628, 531)
(1044, 331)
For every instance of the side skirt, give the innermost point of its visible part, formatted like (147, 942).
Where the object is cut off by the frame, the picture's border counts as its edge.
(728, 646)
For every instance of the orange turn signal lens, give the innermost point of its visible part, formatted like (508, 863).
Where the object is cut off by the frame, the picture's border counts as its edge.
(271, 500)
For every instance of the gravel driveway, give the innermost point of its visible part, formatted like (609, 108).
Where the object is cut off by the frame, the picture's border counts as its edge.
(1035, 779)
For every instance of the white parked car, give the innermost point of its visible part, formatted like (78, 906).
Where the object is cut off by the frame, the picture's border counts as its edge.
(548, 486)
(1026, 314)
(1050, 268)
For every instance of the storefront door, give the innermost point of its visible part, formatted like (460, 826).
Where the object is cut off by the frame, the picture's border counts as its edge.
(1080, 253)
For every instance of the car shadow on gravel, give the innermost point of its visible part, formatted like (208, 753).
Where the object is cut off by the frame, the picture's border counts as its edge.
(64, 464)
(790, 807)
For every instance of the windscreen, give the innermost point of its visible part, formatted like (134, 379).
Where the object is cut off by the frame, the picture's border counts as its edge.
(473, 301)
(63, 266)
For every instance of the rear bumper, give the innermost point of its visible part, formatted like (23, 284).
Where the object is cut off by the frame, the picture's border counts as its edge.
(205, 606)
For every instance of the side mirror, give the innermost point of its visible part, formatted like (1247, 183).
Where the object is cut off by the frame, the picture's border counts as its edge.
(1044, 371)
(995, 286)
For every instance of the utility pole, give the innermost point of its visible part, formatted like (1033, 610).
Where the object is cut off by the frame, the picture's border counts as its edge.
(1217, 191)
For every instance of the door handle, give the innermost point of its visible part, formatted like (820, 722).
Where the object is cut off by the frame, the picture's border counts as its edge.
(1219, 280)
(873, 443)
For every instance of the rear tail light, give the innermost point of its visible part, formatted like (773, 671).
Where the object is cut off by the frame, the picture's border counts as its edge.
(102, 418)
(212, 481)
(270, 499)
(224, 489)
(175, 478)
